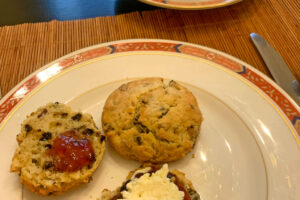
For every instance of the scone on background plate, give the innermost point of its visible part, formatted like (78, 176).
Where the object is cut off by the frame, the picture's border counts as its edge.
(152, 120)
(153, 182)
(58, 149)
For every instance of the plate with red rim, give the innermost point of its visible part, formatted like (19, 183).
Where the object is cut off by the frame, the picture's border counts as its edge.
(249, 143)
(190, 4)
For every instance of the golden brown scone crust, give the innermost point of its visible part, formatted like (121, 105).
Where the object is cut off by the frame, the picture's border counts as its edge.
(31, 161)
(152, 120)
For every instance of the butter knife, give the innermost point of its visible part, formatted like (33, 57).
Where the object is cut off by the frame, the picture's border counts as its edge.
(278, 68)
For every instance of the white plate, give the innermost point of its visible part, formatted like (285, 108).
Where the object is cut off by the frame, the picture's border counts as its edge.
(190, 4)
(249, 143)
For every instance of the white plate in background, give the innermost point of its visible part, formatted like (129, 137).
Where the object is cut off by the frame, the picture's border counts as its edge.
(190, 4)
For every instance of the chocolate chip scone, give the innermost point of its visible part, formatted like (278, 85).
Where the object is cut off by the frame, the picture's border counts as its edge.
(154, 182)
(152, 120)
(58, 149)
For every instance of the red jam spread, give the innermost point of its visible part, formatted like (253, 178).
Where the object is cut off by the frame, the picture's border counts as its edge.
(181, 188)
(71, 153)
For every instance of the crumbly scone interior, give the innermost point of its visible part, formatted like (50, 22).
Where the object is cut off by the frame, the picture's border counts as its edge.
(38, 131)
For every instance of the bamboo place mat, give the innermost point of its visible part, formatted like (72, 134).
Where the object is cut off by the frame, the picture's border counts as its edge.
(27, 47)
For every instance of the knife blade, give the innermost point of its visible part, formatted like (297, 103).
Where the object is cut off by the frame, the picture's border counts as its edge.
(278, 68)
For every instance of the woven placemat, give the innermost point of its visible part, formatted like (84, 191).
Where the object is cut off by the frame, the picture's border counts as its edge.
(27, 47)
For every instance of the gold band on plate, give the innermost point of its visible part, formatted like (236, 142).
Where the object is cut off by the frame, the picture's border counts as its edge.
(188, 7)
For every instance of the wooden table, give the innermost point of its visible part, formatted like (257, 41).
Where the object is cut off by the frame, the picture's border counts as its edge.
(25, 48)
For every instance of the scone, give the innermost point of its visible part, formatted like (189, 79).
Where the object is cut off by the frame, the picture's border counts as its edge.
(58, 149)
(154, 182)
(152, 120)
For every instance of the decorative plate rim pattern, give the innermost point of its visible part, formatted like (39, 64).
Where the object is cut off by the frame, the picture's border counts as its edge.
(291, 111)
(183, 5)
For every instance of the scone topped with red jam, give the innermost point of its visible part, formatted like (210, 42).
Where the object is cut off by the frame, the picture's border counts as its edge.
(58, 149)
(154, 182)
